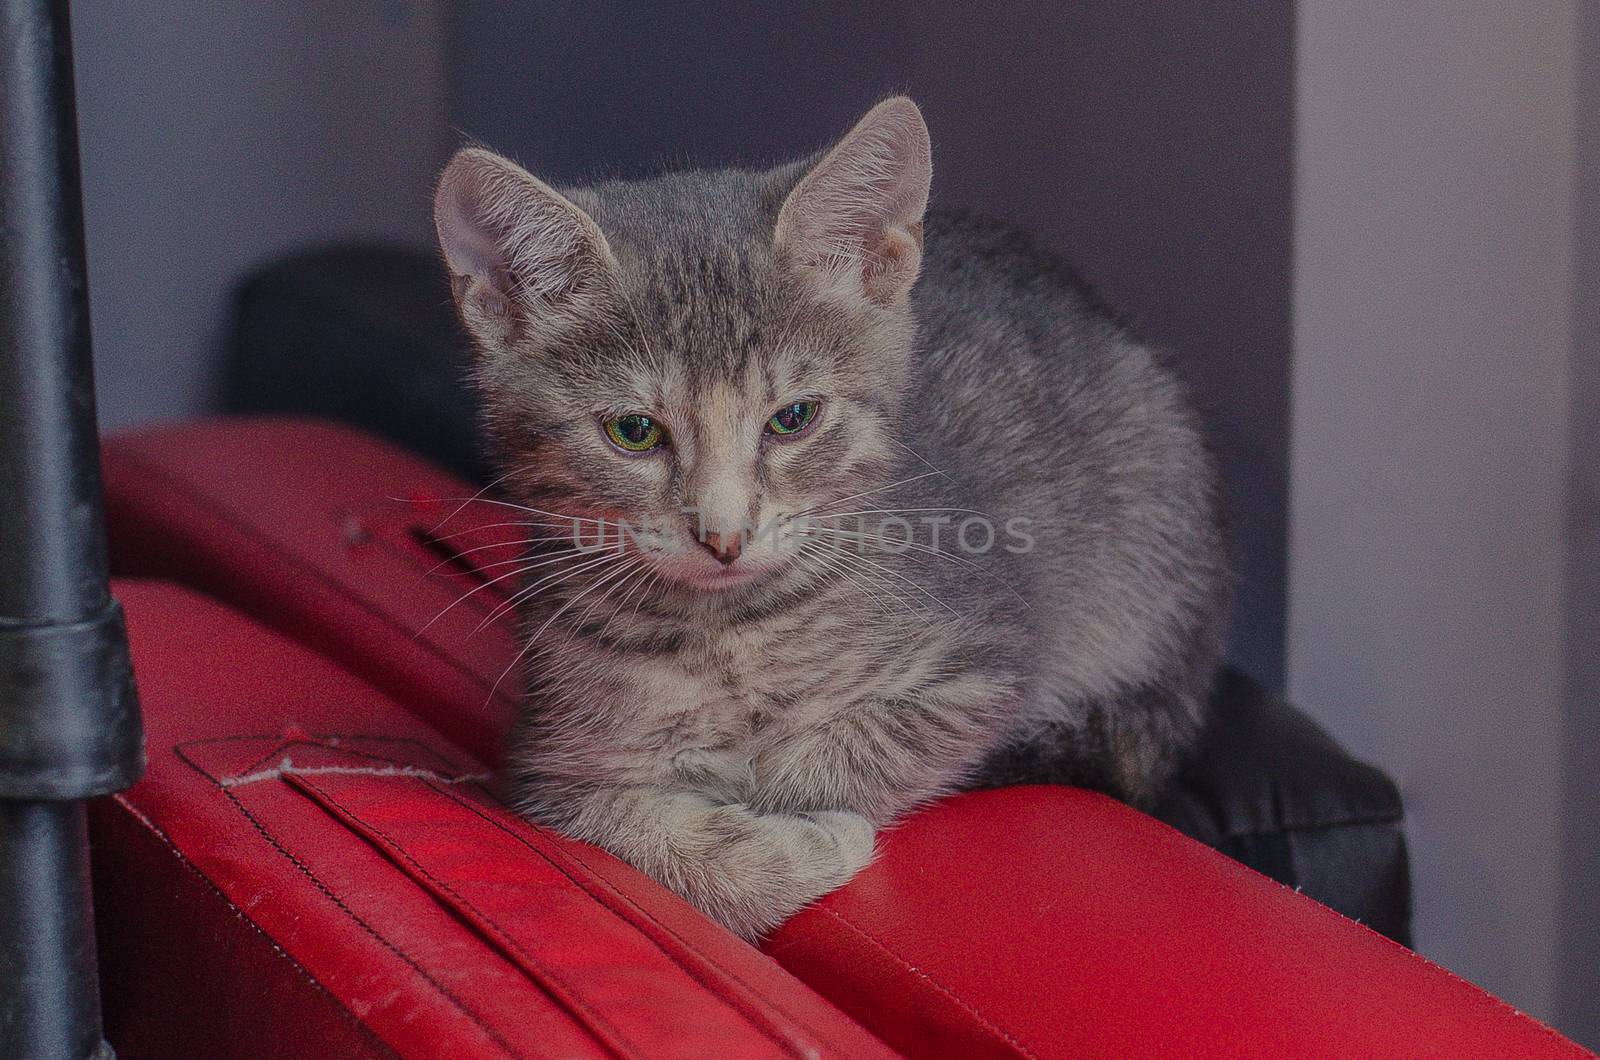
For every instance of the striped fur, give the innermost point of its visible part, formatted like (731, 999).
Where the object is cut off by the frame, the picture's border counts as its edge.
(739, 732)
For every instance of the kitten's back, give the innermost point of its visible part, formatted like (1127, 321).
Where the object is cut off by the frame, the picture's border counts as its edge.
(1044, 406)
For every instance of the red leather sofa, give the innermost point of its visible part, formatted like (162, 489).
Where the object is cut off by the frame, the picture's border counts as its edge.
(316, 863)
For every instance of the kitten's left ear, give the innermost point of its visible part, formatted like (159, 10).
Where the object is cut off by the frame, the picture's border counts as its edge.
(522, 257)
(854, 223)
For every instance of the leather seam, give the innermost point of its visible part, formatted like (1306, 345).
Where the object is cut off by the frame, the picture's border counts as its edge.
(305, 870)
(573, 997)
(305, 973)
(971, 1009)
(1499, 1005)
(769, 1032)
(285, 744)
(312, 739)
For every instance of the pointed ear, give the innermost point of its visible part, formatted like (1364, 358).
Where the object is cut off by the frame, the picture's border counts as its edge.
(854, 223)
(522, 257)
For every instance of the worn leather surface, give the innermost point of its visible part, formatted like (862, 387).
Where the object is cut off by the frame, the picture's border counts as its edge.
(1080, 927)
(307, 869)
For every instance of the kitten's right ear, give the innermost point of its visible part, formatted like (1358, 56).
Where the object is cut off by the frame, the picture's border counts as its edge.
(522, 257)
(854, 222)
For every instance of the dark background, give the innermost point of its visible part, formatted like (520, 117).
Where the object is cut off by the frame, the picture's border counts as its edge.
(1150, 143)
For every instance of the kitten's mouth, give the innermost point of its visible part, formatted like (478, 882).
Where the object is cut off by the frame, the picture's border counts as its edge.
(724, 578)
(709, 578)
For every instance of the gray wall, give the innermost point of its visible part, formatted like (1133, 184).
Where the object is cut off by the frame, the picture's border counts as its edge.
(1150, 142)
(1578, 991)
(1433, 385)
(218, 135)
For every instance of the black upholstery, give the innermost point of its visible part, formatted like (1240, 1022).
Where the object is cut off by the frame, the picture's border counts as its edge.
(361, 334)
(1271, 788)
(366, 335)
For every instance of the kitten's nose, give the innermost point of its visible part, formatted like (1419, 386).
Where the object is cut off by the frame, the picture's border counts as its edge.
(726, 549)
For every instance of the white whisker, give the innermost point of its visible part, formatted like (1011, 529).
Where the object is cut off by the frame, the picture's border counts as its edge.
(867, 493)
(653, 580)
(627, 569)
(837, 564)
(896, 511)
(534, 640)
(920, 459)
(521, 508)
(491, 485)
(570, 521)
(901, 546)
(527, 592)
(644, 568)
(479, 588)
(548, 557)
(890, 572)
(456, 557)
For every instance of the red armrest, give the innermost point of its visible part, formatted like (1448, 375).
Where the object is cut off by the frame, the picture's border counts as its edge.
(308, 870)
(335, 539)
(1037, 922)
(1058, 922)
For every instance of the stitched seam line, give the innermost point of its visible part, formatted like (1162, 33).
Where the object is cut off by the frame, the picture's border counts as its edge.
(1320, 826)
(248, 532)
(563, 994)
(493, 1034)
(971, 1009)
(255, 771)
(1504, 1007)
(304, 973)
(760, 1021)
(489, 1032)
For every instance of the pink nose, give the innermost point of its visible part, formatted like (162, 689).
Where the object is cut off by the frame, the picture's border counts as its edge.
(726, 549)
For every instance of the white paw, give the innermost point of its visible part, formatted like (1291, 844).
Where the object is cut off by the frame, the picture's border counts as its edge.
(853, 837)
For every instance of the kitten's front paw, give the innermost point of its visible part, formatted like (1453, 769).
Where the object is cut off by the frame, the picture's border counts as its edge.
(852, 834)
(749, 871)
(762, 868)
(788, 862)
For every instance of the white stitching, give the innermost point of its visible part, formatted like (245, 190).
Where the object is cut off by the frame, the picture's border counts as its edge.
(286, 766)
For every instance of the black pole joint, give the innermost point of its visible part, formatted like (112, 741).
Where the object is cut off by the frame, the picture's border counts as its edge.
(69, 718)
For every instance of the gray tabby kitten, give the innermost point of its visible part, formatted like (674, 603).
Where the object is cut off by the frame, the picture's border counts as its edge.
(804, 354)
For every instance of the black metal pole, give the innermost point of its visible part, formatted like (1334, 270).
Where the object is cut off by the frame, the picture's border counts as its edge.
(69, 718)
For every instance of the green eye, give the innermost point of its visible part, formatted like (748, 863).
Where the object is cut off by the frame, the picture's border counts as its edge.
(635, 433)
(794, 418)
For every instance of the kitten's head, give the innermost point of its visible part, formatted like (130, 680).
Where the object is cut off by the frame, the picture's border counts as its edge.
(700, 354)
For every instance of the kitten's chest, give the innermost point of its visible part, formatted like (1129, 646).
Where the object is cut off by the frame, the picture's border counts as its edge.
(734, 687)
(729, 693)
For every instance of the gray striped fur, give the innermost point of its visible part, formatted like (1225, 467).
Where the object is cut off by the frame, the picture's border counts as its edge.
(742, 740)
